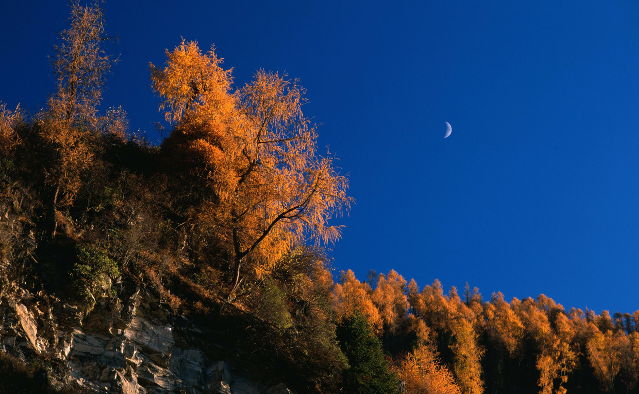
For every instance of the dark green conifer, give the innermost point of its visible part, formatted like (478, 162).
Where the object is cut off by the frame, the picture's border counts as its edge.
(368, 371)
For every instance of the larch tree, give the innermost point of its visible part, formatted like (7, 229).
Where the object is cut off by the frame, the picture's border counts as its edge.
(538, 330)
(504, 327)
(422, 373)
(558, 357)
(604, 322)
(8, 136)
(547, 367)
(197, 99)
(416, 302)
(458, 307)
(437, 310)
(390, 298)
(618, 322)
(350, 296)
(635, 320)
(548, 328)
(630, 361)
(627, 322)
(80, 65)
(467, 356)
(266, 190)
(604, 353)
(449, 316)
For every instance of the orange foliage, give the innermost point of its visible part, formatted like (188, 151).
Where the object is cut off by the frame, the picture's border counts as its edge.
(8, 136)
(351, 296)
(72, 147)
(604, 351)
(415, 299)
(503, 325)
(80, 65)
(556, 337)
(630, 360)
(194, 87)
(254, 149)
(449, 314)
(535, 321)
(467, 357)
(604, 322)
(557, 351)
(546, 368)
(422, 373)
(390, 298)
(433, 306)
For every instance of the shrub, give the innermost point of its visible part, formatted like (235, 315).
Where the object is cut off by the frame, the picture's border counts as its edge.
(94, 273)
(273, 305)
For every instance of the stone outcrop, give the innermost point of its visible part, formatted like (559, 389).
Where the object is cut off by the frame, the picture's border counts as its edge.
(126, 346)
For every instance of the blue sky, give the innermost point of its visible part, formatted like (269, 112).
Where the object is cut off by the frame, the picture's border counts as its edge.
(536, 190)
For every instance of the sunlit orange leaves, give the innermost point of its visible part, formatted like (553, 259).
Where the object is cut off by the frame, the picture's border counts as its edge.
(390, 298)
(80, 64)
(8, 136)
(352, 296)
(422, 373)
(266, 189)
(193, 84)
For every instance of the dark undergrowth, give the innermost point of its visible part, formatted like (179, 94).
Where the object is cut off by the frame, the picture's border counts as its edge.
(19, 377)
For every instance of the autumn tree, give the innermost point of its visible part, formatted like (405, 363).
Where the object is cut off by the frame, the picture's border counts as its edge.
(453, 321)
(415, 300)
(604, 322)
(604, 354)
(630, 360)
(68, 127)
(460, 309)
(566, 350)
(390, 298)
(350, 296)
(552, 336)
(628, 324)
(304, 275)
(504, 327)
(8, 136)
(467, 357)
(265, 188)
(422, 373)
(635, 320)
(558, 357)
(80, 64)
(431, 305)
(539, 334)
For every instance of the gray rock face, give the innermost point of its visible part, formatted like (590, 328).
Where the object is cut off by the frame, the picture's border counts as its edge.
(129, 348)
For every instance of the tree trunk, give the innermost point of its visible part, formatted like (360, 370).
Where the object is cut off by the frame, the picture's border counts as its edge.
(236, 281)
(239, 256)
(54, 210)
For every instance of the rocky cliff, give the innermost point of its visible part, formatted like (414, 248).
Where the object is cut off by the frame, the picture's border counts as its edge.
(128, 344)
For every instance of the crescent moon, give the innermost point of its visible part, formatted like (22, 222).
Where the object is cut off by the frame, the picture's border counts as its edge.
(449, 130)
